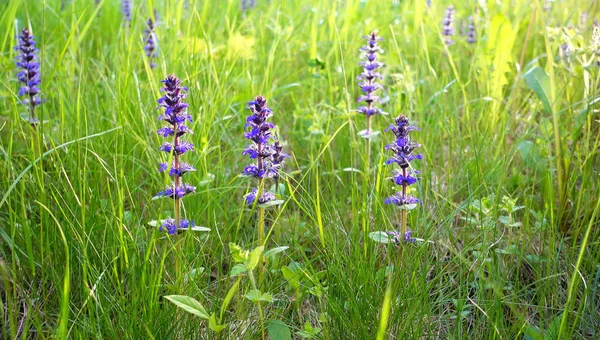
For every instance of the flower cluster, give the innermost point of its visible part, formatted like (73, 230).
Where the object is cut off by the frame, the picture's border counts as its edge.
(175, 115)
(150, 43)
(471, 33)
(29, 76)
(403, 153)
(247, 5)
(269, 155)
(368, 80)
(126, 8)
(448, 25)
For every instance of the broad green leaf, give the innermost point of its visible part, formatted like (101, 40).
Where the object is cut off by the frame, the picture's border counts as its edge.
(278, 330)
(238, 254)
(292, 275)
(274, 251)
(214, 325)
(189, 305)
(539, 82)
(196, 228)
(253, 295)
(254, 257)
(380, 236)
(270, 204)
(229, 296)
(266, 297)
(238, 269)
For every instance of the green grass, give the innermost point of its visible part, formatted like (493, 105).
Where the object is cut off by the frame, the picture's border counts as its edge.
(509, 182)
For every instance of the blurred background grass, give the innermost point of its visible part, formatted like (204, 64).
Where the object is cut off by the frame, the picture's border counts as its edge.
(510, 186)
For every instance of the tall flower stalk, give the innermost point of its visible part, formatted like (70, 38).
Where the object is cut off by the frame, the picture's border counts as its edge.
(369, 81)
(471, 33)
(150, 43)
(448, 25)
(369, 85)
(29, 76)
(402, 155)
(126, 9)
(175, 116)
(269, 156)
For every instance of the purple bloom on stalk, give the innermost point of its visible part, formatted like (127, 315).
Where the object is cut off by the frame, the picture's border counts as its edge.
(397, 239)
(402, 149)
(265, 198)
(247, 5)
(175, 115)
(471, 33)
(150, 43)
(171, 227)
(126, 8)
(29, 76)
(268, 155)
(448, 25)
(368, 80)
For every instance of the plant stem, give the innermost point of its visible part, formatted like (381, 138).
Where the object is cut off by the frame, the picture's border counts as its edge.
(404, 214)
(258, 305)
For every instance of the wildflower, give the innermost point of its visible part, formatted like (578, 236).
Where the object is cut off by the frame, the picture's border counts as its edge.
(471, 33)
(396, 238)
(29, 76)
(565, 52)
(175, 115)
(126, 8)
(268, 155)
(247, 5)
(402, 154)
(171, 226)
(368, 81)
(150, 43)
(448, 25)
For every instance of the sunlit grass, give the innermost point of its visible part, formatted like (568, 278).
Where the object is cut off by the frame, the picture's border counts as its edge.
(509, 178)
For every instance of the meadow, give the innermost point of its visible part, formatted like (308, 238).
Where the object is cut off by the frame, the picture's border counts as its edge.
(504, 243)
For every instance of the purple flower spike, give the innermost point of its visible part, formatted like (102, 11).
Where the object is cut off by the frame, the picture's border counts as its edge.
(171, 227)
(265, 149)
(150, 43)
(29, 76)
(126, 8)
(175, 115)
(247, 5)
(368, 80)
(395, 236)
(265, 198)
(448, 25)
(402, 154)
(471, 33)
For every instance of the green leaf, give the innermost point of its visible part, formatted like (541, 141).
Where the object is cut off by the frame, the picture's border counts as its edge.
(196, 228)
(254, 257)
(195, 272)
(380, 237)
(256, 295)
(189, 305)
(229, 296)
(272, 252)
(539, 82)
(238, 269)
(292, 275)
(266, 297)
(270, 204)
(238, 254)
(278, 330)
(214, 325)
(253, 295)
